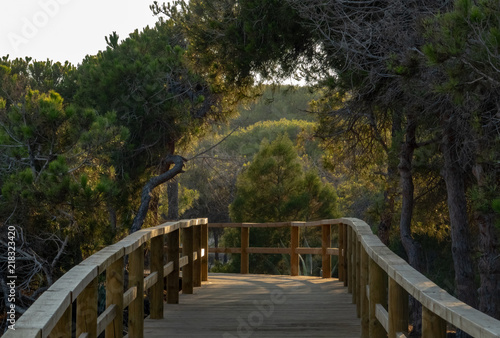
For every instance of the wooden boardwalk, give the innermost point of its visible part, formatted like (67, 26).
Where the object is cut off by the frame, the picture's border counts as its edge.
(243, 306)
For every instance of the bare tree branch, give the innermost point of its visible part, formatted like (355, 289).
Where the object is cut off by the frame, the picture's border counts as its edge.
(148, 188)
(213, 146)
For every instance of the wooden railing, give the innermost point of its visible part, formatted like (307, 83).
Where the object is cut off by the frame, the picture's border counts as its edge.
(294, 250)
(379, 280)
(52, 314)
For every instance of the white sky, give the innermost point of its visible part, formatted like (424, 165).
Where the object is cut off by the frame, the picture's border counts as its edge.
(67, 29)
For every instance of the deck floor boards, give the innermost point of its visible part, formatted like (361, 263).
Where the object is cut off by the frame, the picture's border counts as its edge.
(244, 306)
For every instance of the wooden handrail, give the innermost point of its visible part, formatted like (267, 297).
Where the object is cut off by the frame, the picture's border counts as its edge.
(391, 280)
(51, 314)
(294, 250)
(379, 280)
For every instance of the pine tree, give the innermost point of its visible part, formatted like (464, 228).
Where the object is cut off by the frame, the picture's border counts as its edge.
(274, 188)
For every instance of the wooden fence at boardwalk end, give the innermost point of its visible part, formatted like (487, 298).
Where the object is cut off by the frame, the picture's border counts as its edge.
(379, 280)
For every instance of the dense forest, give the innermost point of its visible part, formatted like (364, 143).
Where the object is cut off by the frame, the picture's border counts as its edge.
(396, 121)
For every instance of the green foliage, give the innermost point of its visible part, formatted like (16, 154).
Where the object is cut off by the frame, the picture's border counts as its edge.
(274, 188)
(219, 267)
(43, 76)
(246, 142)
(158, 98)
(233, 39)
(214, 174)
(187, 198)
(460, 41)
(53, 158)
(495, 205)
(274, 104)
(464, 45)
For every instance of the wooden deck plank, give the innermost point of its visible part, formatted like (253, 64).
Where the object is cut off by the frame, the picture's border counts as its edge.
(234, 305)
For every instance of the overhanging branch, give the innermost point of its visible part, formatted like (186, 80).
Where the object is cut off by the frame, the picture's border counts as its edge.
(178, 162)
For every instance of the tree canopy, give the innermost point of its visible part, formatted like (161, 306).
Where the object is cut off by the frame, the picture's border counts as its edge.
(400, 120)
(83, 148)
(406, 78)
(274, 188)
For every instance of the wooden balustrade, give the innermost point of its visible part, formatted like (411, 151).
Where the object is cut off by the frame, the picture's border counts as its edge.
(51, 314)
(379, 280)
(383, 282)
(294, 250)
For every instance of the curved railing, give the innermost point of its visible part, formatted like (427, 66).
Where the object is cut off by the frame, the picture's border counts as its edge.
(52, 314)
(379, 280)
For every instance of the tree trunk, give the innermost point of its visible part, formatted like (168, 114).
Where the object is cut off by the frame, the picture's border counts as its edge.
(387, 215)
(112, 218)
(154, 207)
(173, 199)
(216, 233)
(457, 205)
(412, 248)
(391, 188)
(489, 266)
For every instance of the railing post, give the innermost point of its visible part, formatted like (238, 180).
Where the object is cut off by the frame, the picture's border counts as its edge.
(187, 250)
(136, 279)
(345, 228)
(365, 304)
(378, 295)
(204, 246)
(197, 249)
(353, 265)
(357, 259)
(294, 257)
(156, 291)
(325, 244)
(432, 325)
(86, 310)
(348, 246)
(173, 277)
(341, 252)
(114, 295)
(63, 327)
(398, 308)
(245, 243)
